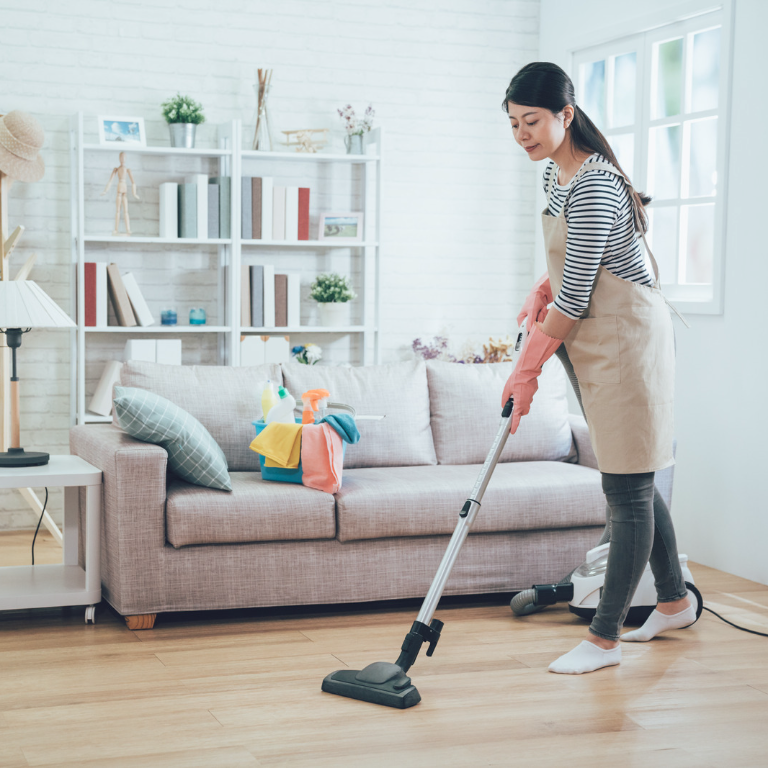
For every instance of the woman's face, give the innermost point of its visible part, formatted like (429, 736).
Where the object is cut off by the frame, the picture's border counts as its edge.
(537, 130)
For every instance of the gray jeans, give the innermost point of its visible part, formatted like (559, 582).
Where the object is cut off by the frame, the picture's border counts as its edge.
(639, 527)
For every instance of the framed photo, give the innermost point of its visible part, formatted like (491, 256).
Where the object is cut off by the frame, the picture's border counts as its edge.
(117, 131)
(341, 226)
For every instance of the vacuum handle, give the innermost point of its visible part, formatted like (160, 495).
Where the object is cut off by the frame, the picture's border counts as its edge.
(507, 411)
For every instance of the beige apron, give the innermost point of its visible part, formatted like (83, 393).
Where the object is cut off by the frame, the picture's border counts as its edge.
(622, 350)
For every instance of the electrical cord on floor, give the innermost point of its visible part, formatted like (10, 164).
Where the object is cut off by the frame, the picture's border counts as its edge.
(45, 504)
(743, 629)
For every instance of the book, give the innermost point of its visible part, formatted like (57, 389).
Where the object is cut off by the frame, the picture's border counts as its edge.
(245, 296)
(187, 210)
(269, 296)
(169, 209)
(169, 351)
(252, 351)
(138, 303)
(278, 213)
(294, 299)
(140, 349)
(213, 210)
(89, 292)
(256, 208)
(101, 402)
(281, 301)
(120, 301)
(267, 200)
(257, 296)
(102, 297)
(201, 195)
(291, 213)
(246, 208)
(303, 213)
(225, 204)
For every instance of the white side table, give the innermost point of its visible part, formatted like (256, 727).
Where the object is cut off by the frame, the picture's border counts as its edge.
(45, 586)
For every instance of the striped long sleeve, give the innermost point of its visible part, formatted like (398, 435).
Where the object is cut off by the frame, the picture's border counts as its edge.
(600, 231)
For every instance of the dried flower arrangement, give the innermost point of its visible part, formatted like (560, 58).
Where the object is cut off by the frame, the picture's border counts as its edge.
(354, 126)
(493, 352)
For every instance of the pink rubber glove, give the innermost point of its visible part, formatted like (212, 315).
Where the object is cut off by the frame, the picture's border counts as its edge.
(535, 306)
(523, 382)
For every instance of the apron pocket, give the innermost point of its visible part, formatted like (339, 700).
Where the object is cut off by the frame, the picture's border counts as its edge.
(594, 350)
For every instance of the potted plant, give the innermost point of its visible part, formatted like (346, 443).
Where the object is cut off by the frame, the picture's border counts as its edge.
(355, 128)
(332, 292)
(183, 114)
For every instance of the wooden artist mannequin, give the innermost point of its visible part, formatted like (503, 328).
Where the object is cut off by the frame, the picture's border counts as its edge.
(122, 194)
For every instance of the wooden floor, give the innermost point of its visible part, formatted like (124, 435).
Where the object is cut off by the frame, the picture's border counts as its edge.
(243, 689)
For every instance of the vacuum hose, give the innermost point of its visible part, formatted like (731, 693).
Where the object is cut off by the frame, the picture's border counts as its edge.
(524, 603)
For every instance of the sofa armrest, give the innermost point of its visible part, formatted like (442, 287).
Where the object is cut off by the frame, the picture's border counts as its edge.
(586, 456)
(133, 509)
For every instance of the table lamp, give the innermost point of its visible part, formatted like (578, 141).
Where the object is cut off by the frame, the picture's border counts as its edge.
(24, 306)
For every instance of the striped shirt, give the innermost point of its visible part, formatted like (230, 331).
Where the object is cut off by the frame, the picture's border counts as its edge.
(600, 231)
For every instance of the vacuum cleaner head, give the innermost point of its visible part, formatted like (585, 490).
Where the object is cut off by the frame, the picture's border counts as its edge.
(379, 683)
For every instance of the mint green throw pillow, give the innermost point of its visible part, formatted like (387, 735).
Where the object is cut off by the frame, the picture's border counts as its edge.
(192, 453)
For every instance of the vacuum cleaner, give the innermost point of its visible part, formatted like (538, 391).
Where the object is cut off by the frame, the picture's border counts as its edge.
(386, 683)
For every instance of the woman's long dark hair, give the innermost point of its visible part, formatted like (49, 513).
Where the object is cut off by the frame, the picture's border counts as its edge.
(544, 85)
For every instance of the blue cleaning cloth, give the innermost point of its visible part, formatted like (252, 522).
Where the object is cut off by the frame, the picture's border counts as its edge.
(345, 425)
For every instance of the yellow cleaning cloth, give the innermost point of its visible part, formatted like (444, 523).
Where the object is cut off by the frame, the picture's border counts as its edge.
(280, 444)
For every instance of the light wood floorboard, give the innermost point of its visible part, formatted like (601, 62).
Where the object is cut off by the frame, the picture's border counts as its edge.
(243, 688)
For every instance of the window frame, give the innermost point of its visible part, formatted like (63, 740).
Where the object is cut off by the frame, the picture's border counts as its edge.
(627, 39)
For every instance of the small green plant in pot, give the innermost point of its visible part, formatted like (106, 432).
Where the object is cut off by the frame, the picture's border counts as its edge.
(183, 114)
(332, 292)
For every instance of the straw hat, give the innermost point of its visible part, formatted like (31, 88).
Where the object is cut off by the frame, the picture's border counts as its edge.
(21, 137)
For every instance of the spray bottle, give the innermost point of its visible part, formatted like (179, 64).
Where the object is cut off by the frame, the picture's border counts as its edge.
(269, 398)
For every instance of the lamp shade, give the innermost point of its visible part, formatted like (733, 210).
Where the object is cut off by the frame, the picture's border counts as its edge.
(24, 304)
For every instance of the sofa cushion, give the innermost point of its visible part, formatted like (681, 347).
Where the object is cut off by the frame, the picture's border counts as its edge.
(192, 453)
(378, 503)
(222, 398)
(398, 390)
(465, 401)
(256, 510)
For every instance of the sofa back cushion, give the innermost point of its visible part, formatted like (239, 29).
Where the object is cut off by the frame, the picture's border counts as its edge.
(465, 401)
(222, 398)
(398, 391)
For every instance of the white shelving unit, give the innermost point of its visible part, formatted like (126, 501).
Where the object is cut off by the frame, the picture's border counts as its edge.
(230, 158)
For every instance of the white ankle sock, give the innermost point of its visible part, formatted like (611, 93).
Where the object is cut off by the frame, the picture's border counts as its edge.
(585, 657)
(658, 623)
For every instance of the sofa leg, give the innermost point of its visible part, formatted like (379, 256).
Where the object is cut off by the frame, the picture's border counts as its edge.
(143, 621)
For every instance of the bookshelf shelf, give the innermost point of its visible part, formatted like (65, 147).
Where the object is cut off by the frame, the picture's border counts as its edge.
(308, 244)
(155, 240)
(307, 329)
(171, 151)
(363, 174)
(159, 329)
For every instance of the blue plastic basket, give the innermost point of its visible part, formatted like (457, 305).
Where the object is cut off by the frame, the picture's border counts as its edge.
(280, 474)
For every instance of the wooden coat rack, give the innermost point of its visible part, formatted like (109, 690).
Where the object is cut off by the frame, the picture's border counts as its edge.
(6, 248)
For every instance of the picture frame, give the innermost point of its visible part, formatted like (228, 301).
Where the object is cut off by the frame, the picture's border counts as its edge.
(121, 131)
(346, 226)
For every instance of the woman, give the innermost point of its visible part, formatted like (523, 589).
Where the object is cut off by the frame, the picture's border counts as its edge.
(609, 321)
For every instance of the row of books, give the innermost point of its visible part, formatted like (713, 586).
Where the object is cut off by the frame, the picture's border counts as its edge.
(103, 281)
(197, 208)
(269, 299)
(272, 212)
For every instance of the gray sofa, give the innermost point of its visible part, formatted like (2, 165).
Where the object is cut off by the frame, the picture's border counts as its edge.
(171, 546)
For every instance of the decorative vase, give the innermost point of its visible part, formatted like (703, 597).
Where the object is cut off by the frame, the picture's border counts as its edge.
(182, 135)
(333, 313)
(354, 144)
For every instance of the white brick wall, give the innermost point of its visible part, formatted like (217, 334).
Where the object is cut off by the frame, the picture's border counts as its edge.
(459, 198)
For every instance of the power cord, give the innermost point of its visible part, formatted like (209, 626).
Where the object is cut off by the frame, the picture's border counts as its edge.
(743, 629)
(45, 504)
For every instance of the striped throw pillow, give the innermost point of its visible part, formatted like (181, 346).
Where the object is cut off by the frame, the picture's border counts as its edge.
(192, 453)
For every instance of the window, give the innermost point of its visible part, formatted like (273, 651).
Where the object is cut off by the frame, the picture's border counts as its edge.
(661, 99)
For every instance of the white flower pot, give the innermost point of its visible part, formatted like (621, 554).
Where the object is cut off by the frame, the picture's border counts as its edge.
(333, 313)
